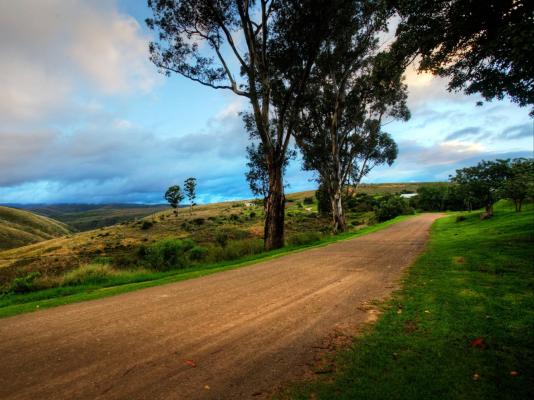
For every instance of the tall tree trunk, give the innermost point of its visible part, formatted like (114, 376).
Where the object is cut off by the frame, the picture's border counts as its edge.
(489, 209)
(274, 210)
(338, 217)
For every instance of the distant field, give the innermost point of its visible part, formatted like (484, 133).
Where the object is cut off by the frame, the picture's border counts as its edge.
(84, 217)
(20, 228)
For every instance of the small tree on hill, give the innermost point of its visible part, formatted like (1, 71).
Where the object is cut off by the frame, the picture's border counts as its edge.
(521, 179)
(174, 196)
(190, 187)
(483, 181)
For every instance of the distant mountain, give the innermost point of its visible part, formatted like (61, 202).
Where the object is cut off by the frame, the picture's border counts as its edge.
(83, 217)
(22, 227)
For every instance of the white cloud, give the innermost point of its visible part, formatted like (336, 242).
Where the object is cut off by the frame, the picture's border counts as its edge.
(53, 50)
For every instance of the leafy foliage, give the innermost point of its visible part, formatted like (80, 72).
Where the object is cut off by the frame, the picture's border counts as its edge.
(174, 196)
(483, 182)
(353, 88)
(391, 206)
(520, 182)
(483, 46)
(190, 187)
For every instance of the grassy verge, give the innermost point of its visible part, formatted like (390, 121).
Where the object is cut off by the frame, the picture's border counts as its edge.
(13, 304)
(462, 327)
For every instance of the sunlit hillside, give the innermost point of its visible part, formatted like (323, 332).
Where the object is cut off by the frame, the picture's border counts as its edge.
(19, 228)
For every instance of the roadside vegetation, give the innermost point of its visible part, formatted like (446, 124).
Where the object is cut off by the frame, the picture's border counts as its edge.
(101, 278)
(461, 326)
(178, 239)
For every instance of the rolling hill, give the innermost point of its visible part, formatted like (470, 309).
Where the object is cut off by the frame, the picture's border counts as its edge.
(20, 228)
(84, 217)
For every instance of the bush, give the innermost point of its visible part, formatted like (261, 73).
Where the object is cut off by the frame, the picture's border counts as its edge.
(234, 217)
(461, 218)
(239, 248)
(362, 202)
(124, 261)
(221, 238)
(299, 204)
(391, 207)
(146, 225)
(252, 214)
(198, 253)
(89, 274)
(199, 221)
(168, 254)
(304, 238)
(25, 284)
(308, 200)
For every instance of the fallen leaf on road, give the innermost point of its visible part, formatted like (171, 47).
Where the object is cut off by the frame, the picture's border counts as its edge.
(191, 363)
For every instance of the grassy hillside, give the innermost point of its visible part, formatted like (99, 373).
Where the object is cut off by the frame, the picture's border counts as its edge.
(461, 327)
(122, 245)
(83, 217)
(19, 228)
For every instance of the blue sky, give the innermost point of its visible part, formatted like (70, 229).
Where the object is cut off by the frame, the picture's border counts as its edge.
(85, 117)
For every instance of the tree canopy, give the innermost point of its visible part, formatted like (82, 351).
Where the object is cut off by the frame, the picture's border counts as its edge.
(174, 196)
(483, 46)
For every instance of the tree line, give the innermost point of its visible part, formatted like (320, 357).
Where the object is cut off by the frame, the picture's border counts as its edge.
(314, 74)
(480, 186)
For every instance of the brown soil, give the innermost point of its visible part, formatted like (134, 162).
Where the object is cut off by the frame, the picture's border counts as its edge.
(232, 335)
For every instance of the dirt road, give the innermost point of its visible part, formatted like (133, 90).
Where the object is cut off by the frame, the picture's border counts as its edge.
(232, 335)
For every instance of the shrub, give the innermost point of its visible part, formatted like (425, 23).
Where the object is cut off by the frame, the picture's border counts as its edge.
(198, 253)
(102, 260)
(25, 284)
(146, 225)
(141, 251)
(168, 254)
(124, 261)
(252, 214)
(221, 238)
(304, 238)
(391, 207)
(240, 248)
(308, 200)
(199, 221)
(461, 218)
(299, 204)
(234, 217)
(89, 274)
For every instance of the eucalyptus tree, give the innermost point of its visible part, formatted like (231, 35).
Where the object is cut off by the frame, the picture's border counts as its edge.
(190, 187)
(174, 196)
(254, 49)
(353, 88)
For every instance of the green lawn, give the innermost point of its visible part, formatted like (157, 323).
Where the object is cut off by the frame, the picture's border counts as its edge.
(18, 303)
(462, 327)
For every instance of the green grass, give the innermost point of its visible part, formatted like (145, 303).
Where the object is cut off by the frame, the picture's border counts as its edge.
(475, 280)
(13, 303)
